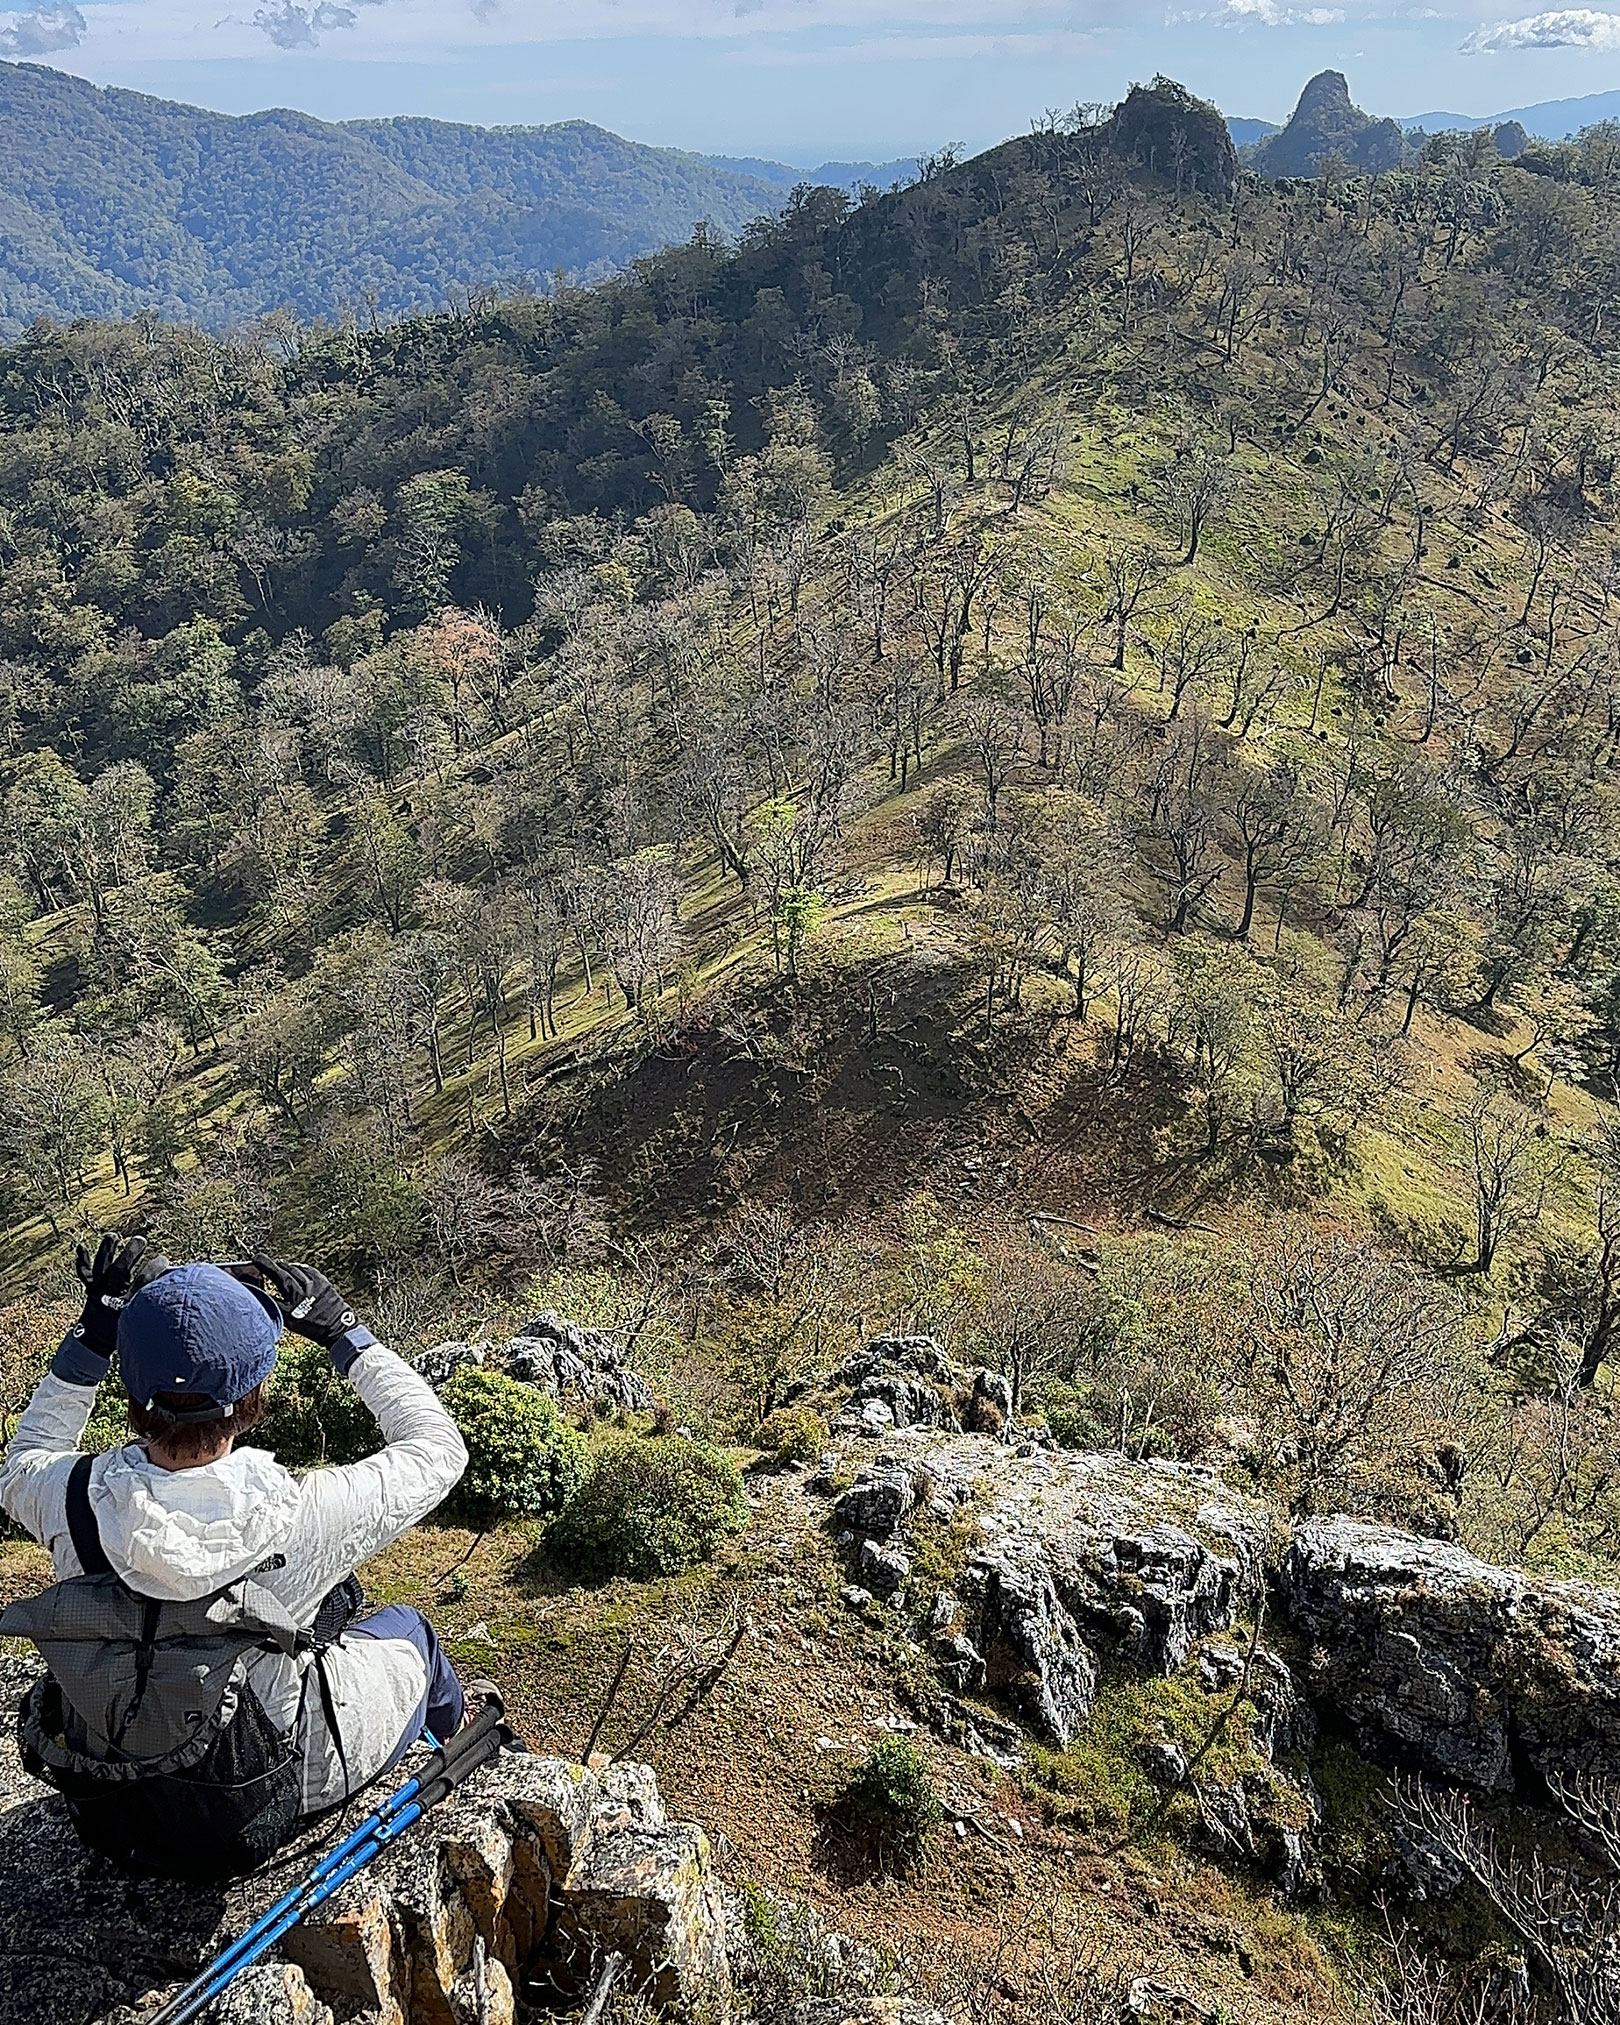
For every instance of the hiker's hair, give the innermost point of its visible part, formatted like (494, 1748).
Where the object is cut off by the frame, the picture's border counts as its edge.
(194, 1440)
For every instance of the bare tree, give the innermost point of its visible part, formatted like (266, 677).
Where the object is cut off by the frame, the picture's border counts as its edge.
(1567, 1917)
(1030, 1323)
(1351, 1357)
(634, 906)
(943, 825)
(1273, 827)
(1514, 1161)
(1198, 482)
(1131, 572)
(997, 732)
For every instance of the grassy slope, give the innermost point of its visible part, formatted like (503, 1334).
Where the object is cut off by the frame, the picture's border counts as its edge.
(1405, 1171)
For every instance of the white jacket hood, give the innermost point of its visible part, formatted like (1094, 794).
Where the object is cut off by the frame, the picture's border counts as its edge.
(176, 1535)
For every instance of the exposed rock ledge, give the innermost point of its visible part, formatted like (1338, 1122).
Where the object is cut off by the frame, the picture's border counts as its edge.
(1073, 1560)
(532, 1873)
(1069, 1563)
(1474, 1673)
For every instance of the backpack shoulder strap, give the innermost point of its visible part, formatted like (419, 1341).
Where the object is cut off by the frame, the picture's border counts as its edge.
(82, 1527)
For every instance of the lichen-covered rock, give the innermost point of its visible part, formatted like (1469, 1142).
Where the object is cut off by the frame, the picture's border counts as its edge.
(573, 1362)
(1446, 1663)
(1261, 1816)
(879, 1499)
(884, 1569)
(911, 1381)
(649, 1894)
(922, 1356)
(902, 1402)
(533, 1871)
(1030, 1645)
(575, 1365)
(1073, 1558)
(272, 1990)
(1282, 1719)
(440, 1364)
(958, 1662)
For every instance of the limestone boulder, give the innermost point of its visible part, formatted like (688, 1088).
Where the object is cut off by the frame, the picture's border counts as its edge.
(575, 1365)
(1442, 1662)
(909, 1381)
(1071, 1560)
(572, 1362)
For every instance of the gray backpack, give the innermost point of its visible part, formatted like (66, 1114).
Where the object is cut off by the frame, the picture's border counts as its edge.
(146, 1722)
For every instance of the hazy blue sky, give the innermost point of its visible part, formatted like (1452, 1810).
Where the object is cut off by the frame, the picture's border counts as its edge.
(802, 79)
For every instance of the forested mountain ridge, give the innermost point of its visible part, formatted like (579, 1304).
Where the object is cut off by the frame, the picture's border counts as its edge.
(1094, 654)
(114, 204)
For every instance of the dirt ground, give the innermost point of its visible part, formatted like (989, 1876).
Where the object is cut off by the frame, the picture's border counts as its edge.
(814, 1684)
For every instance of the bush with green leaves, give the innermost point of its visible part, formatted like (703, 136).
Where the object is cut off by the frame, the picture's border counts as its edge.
(892, 1804)
(1083, 1417)
(312, 1416)
(648, 1507)
(524, 1460)
(793, 1434)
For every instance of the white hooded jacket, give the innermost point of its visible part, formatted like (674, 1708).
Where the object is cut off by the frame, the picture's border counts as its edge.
(177, 1535)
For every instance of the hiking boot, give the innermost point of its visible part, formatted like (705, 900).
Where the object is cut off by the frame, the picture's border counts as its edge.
(482, 1694)
(478, 1696)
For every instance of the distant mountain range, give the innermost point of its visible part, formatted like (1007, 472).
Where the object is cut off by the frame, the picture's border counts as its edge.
(114, 204)
(1247, 133)
(847, 176)
(1555, 120)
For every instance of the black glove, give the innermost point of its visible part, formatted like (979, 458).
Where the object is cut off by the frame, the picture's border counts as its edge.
(314, 1308)
(112, 1276)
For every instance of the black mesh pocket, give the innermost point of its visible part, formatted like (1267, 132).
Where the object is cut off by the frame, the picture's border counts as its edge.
(339, 1608)
(229, 1814)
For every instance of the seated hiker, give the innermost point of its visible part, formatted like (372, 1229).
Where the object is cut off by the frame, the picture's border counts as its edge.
(210, 1682)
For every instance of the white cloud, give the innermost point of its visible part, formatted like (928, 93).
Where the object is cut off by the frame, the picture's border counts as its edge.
(1566, 28)
(171, 27)
(771, 32)
(1263, 14)
(41, 31)
(293, 24)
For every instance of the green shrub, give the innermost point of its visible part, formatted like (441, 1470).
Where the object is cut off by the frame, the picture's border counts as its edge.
(648, 1508)
(312, 1416)
(1084, 1417)
(891, 1802)
(793, 1433)
(1074, 1425)
(524, 1460)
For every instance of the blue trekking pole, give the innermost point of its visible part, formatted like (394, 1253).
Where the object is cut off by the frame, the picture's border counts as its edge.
(449, 1766)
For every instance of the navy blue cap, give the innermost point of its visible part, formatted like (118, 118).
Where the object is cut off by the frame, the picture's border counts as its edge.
(198, 1330)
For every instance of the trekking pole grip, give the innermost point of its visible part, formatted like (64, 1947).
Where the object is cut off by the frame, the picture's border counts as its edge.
(465, 1753)
(470, 1743)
